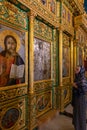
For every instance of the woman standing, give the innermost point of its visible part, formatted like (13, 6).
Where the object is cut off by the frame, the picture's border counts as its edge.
(78, 99)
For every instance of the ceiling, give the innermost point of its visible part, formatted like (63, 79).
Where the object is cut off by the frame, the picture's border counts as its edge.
(85, 5)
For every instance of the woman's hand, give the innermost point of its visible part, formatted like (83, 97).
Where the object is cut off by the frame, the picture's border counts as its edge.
(74, 85)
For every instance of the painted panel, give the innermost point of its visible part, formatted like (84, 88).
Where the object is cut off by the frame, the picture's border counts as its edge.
(66, 56)
(42, 60)
(12, 56)
(13, 115)
(66, 62)
(52, 6)
(64, 12)
(67, 95)
(44, 102)
(69, 17)
(10, 118)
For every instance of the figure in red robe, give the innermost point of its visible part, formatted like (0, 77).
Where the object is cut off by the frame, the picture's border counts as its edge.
(11, 64)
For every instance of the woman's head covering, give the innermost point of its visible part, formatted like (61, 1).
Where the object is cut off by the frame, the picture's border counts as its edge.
(82, 70)
(81, 74)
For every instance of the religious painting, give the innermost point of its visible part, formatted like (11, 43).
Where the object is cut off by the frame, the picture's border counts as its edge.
(64, 12)
(66, 61)
(52, 6)
(69, 17)
(43, 2)
(66, 55)
(12, 56)
(42, 60)
(43, 102)
(10, 118)
(13, 115)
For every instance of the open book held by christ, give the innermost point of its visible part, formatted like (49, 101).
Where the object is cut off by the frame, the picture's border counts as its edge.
(17, 71)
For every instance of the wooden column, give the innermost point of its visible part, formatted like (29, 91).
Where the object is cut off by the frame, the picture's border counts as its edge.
(31, 51)
(60, 56)
(74, 55)
(77, 55)
(71, 59)
(32, 99)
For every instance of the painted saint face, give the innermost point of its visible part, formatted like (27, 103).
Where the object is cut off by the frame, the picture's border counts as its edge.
(11, 45)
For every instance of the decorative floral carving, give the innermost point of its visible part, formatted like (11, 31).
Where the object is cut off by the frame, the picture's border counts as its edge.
(12, 93)
(48, 15)
(12, 14)
(42, 85)
(42, 30)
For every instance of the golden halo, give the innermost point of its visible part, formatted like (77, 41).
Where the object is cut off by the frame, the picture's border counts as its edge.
(4, 33)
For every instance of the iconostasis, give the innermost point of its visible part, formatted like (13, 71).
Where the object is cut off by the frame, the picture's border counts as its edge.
(13, 76)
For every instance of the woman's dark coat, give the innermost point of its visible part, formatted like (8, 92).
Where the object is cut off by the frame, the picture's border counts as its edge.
(78, 101)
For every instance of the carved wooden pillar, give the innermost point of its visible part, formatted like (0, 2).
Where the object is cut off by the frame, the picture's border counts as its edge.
(77, 55)
(75, 49)
(58, 9)
(83, 56)
(31, 96)
(61, 8)
(74, 55)
(31, 51)
(71, 59)
(60, 56)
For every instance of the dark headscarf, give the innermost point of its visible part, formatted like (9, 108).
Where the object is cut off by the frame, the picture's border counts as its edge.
(80, 75)
(82, 70)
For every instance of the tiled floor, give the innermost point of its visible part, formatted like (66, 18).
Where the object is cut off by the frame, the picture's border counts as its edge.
(59, 122)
